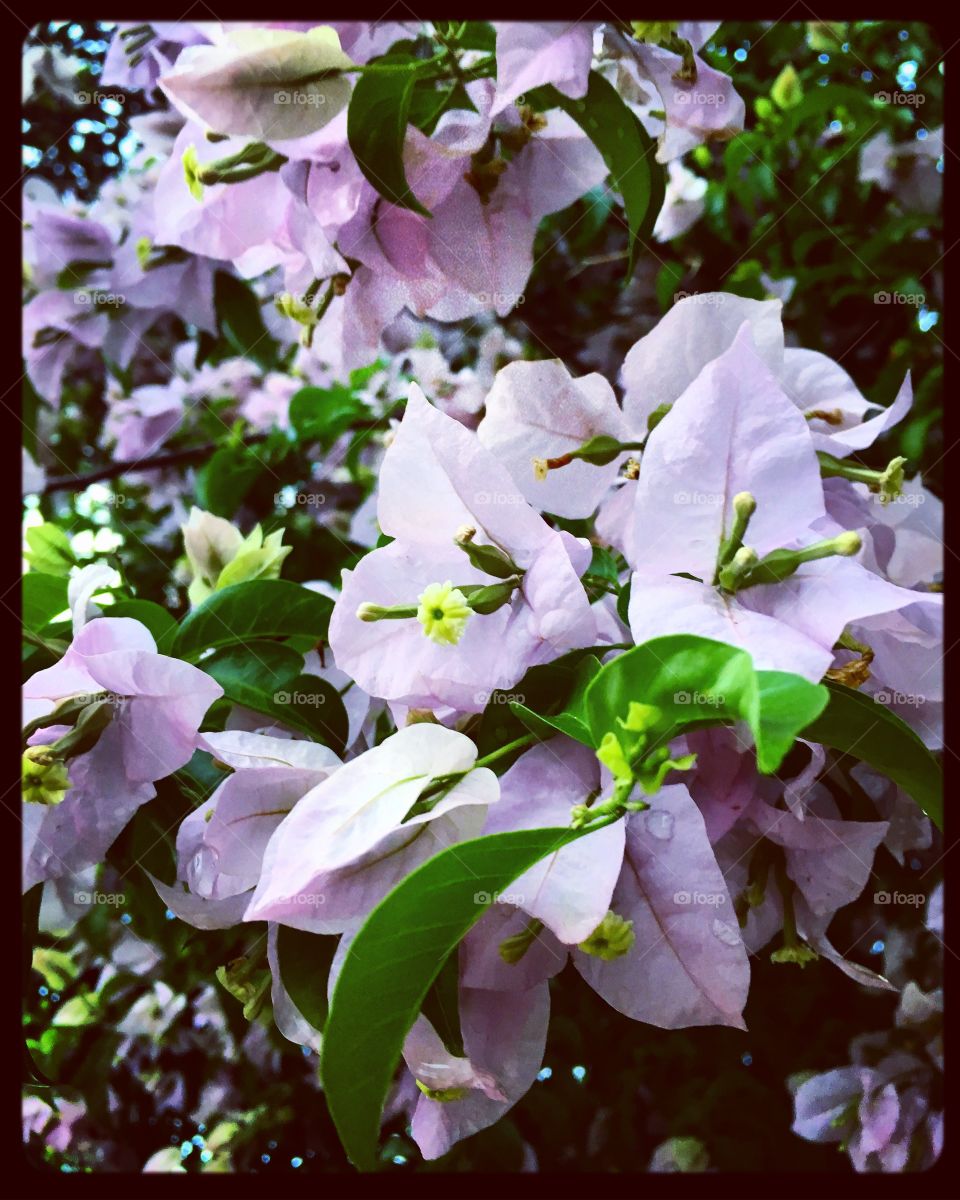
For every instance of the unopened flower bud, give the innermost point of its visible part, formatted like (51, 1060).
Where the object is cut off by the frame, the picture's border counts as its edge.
(734, 574)
(847, 543)
(291, 306)
(781, 564)
(486, 557)
(421, 716)
(744, 505)
(601, 449)
(512, 949)
(246, 982)
(380, 612)
(487, 599)
(598, 451)
(92, 720)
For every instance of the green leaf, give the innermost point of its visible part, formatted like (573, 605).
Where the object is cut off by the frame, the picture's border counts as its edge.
(304, 960)
(259, 608)
(200, 778)
(266, 677)
(822, 101)
(226, 478)
(623, 603)
(744, 280)
(441, 1006)
(376, 128)
(627, 149)
(43, 598)
(160, 623)
(322, 414)
(240, 320)
(696, 681)
(361, 376)
(478, 35)
(863, 727)
(428, 104)
(543, 690)
(573, 719)
(603, 565)
(80, 1010)
(315, 707)
(667, 284)
(76, 274)
(393, 961)
(49, 550)
(57, 967)
(252, 673)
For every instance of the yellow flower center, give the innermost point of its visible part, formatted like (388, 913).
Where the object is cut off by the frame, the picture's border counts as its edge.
(443, 613)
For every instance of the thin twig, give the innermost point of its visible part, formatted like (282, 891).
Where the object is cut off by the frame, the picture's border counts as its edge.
(76, 483)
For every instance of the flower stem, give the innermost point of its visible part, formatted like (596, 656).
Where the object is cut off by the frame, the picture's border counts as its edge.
(526, 740)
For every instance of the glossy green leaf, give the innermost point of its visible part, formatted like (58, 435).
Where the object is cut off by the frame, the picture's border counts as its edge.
(572, 720)
(864, 728)
(376, 129)
(43, 598)
(544, 690)
(160, 623)
(79, 1010)
(667, 283)
(428, 104)
(820, 102)
(696, 681)
(627, 149)
(324, 413)
(441, 1006)
(248, 673)
(49, 550)
(225, 479)
(393, 961)
(266, 677)
(243, 612)
(240, 319)
(305, 960)
(478, 35)
(56, 966)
